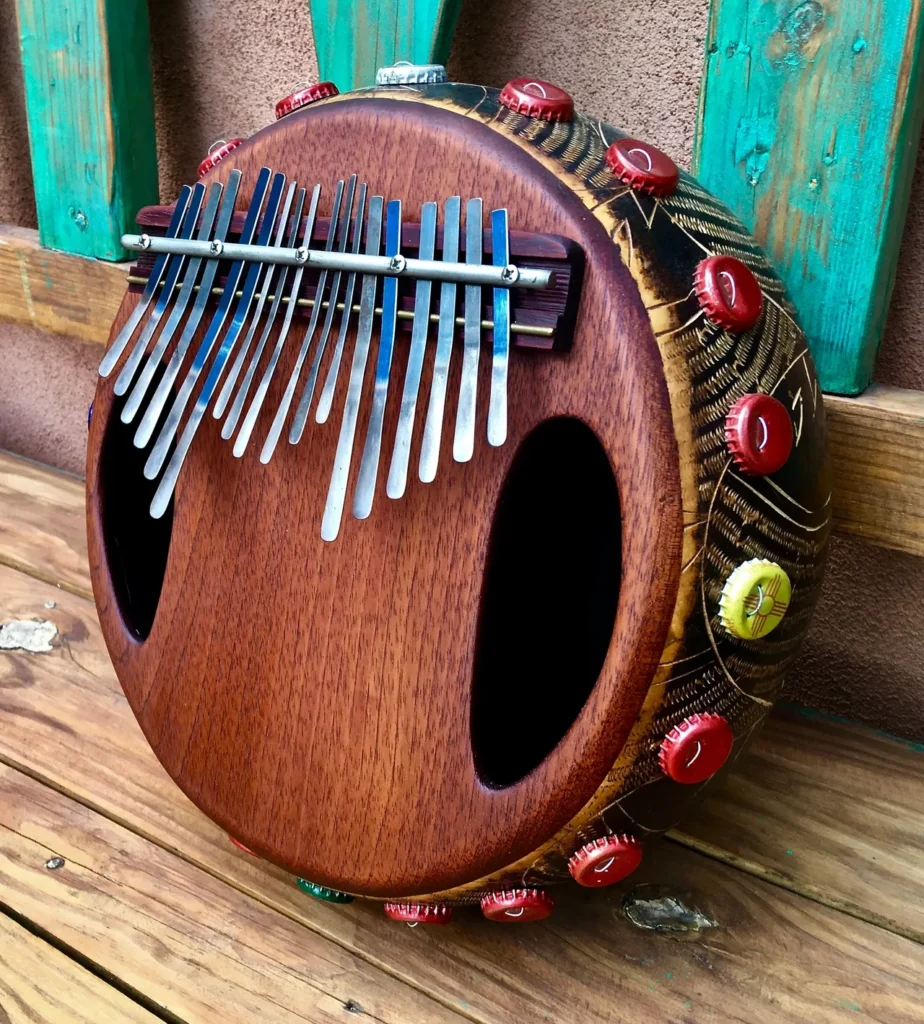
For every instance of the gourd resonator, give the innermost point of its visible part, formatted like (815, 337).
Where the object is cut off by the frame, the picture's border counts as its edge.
(571, 410)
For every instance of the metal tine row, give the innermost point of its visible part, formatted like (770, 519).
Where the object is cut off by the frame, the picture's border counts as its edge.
(176, 315)
(123, 381)
(162, 445)
(114, 354)
(281, 225)
(301, 413)
(463, 442)
(250, 420)
(272, 438)
(155, 407)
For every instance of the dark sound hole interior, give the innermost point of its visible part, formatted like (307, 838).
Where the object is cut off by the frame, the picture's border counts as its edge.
(549, 600)
(136, 545)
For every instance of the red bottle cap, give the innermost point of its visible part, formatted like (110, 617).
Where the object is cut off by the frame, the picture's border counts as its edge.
(605, 861)
(517, 905)
(697, 748)
(419, 913)
(304, 95)
(643, 166)
(241, 846)
(758, 432)
(728, 293)
(535, 98)
(217, 152)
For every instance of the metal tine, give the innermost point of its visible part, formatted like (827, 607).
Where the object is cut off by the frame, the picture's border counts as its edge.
(233, 416)
(369, 467)
(124, 380)
(433, 428)
(177, 313)
(256, 405)
(401, 453)
(330, 384)
(152, 414)
(301, 413)
(225, 394)
(157, 272)
(165, 488)
(162, 445)
(340, 474)
(497, 406)
(272, 438)
(463, 444)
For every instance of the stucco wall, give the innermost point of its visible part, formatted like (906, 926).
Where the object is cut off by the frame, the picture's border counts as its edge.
(218, 69)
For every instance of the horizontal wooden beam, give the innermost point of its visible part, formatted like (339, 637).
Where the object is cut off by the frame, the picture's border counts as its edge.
(877, 452)
(876, 439)
(56, 291)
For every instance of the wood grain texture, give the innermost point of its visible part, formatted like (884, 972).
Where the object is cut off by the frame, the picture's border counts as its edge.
(40, 985)
(810, 115)
(43, 525)
(175, 934)
(774, 957)
(90, 108)
(312, 686)
(877, 451)
(354, 39)
(828, 809)
(56, 291)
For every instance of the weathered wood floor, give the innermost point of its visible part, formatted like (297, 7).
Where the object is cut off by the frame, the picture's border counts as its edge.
(802, 882)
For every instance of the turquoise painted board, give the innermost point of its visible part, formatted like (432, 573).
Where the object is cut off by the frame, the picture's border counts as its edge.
(810, 116)
(354, 38)
(87, 70)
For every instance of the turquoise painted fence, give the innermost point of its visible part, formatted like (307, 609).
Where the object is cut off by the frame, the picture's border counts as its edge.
(87, 71)
(355, 37)
(810, 117)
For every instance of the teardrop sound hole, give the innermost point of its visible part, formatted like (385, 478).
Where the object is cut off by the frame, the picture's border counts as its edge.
(549, 601)
(137, 546)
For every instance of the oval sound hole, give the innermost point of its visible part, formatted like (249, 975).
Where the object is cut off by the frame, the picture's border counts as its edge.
(136, 545)
(549, 601)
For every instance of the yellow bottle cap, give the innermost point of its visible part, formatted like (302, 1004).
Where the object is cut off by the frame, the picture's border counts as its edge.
(754, 599)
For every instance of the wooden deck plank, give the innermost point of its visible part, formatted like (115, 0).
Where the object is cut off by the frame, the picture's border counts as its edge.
(774, 956)
(208, 953)
(38, 983)
(43, 529)
(185, 940)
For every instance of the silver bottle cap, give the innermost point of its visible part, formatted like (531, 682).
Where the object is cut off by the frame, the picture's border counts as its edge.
(405, 73)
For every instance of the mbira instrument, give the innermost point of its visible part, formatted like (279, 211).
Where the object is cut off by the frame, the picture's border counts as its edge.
(457, 493)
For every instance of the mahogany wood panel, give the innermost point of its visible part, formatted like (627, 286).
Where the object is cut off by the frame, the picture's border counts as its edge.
(354, 723)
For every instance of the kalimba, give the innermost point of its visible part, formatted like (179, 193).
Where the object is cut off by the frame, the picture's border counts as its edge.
(457, 493)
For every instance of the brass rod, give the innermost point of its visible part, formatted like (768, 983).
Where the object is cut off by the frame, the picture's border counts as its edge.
(403, 314)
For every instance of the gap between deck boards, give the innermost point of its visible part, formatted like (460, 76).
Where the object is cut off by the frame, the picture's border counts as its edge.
(84, 962)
